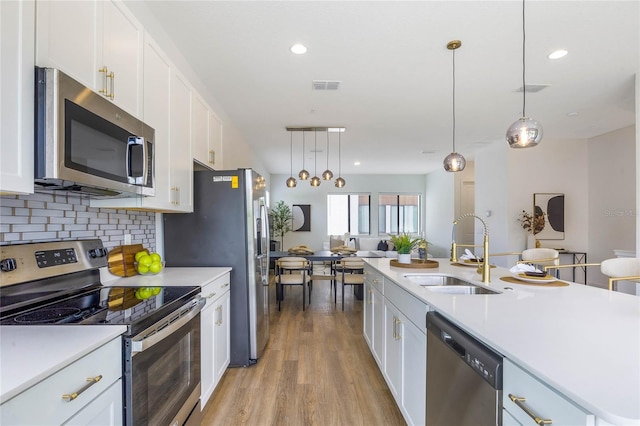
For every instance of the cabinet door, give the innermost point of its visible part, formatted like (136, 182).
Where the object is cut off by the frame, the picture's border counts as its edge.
(539, 399)
(105, 410)
(368, 315)
(181, 159)
(215, 142)
(122, 55)
(200, 130)
(17, 22)
(221, 346)
(68, 38)
(414, 372)
(207, 348)
(378, 328)
(393, 350)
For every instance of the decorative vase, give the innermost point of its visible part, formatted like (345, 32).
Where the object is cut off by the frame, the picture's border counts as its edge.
(404, 258)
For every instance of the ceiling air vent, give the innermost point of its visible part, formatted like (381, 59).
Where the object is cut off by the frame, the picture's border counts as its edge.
(533, 88)
(325, 84)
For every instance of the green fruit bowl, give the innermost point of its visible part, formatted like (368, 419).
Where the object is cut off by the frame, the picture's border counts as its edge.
(153, 269)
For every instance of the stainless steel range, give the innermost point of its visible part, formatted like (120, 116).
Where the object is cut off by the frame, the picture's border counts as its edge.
(59, 283)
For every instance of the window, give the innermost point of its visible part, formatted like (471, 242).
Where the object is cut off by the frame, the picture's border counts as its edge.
(348, 213)
(398, 213)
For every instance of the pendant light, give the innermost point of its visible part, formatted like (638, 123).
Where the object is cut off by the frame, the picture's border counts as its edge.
(454, 162)
(304, 174)
(327, 174)
(291, 182)
(315, 180)
(525, 132)
(340, 182)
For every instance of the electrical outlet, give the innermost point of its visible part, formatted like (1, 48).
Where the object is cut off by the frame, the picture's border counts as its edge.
(127, 239)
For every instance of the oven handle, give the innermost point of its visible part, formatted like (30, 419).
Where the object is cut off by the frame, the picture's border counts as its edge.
(144, 343)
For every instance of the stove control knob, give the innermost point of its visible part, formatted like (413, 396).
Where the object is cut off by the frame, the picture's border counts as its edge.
(8, 265)
(98, 252)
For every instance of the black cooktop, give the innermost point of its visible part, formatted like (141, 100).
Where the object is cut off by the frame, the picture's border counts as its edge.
(135, 307)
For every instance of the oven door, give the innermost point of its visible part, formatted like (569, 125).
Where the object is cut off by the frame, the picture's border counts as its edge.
(162, 372)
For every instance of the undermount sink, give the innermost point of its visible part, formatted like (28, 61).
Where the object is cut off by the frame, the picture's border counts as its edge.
(448, 285)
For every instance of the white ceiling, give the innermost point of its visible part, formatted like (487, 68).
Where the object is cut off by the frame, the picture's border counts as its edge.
(395, 97)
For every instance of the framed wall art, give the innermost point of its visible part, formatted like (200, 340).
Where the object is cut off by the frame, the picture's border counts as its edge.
(551, 207)
(301, 217)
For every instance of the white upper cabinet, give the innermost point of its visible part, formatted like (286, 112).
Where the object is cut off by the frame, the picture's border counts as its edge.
(17, 20)
(180, 137)
(206, 142)
(97, 42)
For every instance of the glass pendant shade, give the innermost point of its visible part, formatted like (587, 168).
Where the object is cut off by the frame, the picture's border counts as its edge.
(327, 175)
(524, 133)
(304, 175)
(315, 181)
(340, 183)
(291, 182)
(454, 162)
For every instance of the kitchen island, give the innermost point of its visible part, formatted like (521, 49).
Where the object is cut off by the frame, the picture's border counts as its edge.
(583, 342)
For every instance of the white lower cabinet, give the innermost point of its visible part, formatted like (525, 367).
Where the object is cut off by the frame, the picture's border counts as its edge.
(215, 348)
(86, 392)
(396, 325)
(535, 400)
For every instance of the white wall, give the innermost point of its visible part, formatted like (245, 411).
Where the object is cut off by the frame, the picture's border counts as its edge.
(612, 197)
(303, 193)
(493, 194)
(439, 212)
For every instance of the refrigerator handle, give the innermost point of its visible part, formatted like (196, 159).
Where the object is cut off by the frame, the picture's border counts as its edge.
(264, 261)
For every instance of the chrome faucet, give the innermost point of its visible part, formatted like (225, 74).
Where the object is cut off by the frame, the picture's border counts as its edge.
(486, 276)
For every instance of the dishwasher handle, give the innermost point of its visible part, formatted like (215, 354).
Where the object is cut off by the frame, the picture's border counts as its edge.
(450, 341)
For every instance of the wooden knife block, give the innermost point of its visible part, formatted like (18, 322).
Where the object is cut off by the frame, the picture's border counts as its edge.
(121, 260)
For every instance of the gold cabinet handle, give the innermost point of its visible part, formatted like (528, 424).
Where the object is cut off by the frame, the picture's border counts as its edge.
(219, 309)
(104, 89)
(90, 382)
(519, 401)
(212, 156)
(210, 295)
(112, 93)
(396, 322)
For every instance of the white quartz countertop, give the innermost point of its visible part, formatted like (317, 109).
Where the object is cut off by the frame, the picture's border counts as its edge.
(29, 354)
(179, 277)
(583, 341)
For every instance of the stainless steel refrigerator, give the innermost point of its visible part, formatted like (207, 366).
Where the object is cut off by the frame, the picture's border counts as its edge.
(229, 227)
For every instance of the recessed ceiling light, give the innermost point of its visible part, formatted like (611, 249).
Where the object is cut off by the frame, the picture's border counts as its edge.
(572, 114)
(298, 49)
(356, 163)
(557, 54)
(427, 152)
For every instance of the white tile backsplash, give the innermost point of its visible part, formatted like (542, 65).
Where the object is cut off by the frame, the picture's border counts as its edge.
(49, 217)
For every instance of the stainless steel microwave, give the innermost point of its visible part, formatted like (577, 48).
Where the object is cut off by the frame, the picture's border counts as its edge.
(86, 144)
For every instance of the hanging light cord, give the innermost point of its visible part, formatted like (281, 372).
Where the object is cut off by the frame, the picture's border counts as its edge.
(303, 149)
(339, 156)
(327, 149)
(524, 86)
(315, 155)
(454, 100)
(291, 154)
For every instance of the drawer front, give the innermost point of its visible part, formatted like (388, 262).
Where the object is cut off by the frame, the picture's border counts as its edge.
(216, 288)
(410, 306)
(374, 278)
(44, 403)
(539, 399)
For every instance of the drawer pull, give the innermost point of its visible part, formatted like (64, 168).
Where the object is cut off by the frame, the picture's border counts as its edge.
(90, 382)
(210, 295)
(519, 401)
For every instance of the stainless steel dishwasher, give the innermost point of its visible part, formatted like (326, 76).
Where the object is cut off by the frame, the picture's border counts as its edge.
(464, 377)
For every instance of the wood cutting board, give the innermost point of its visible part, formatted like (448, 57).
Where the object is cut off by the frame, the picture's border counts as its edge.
(121, 260)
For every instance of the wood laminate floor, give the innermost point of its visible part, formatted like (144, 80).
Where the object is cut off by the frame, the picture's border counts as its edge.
(316, 370)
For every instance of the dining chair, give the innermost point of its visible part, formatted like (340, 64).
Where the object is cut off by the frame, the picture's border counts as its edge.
(292, 271)
(543, 257)
(621, 269)
(351, 273)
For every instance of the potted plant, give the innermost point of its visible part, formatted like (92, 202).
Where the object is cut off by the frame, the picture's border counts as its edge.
(281, 218)
(403, 244)
(533, 224)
